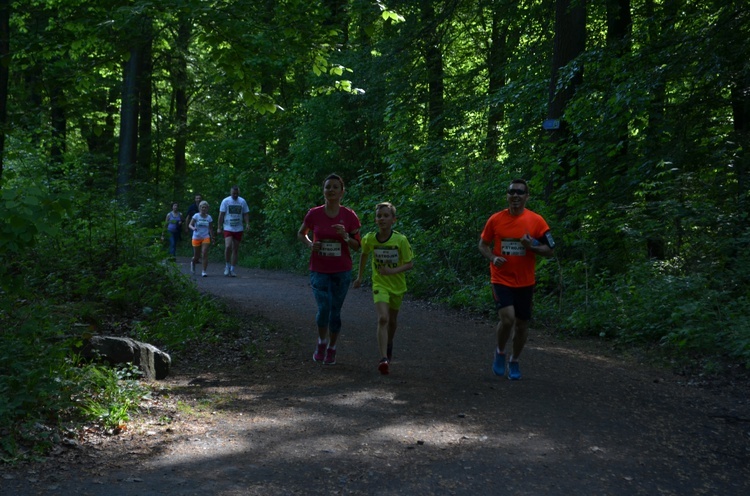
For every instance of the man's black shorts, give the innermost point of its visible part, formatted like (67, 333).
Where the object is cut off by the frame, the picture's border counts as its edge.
(520, 298)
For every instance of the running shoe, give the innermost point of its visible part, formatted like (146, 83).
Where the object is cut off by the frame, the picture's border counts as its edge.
(498, 365)
(514, 371)
(320, 352)
(192, 267)
(231, 273)
(330, 357)
(226, 270)
(204, 274)
(383, 366)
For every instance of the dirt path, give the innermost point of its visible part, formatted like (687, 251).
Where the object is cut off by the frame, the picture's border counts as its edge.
(579, 422)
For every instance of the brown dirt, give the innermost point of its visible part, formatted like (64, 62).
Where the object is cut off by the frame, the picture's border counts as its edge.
(258, 416)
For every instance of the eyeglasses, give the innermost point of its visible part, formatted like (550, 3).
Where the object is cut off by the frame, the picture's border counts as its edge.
(519, 192)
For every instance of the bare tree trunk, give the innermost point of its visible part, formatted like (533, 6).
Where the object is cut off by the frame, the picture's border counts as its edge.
(655, 245)
(619, 30)
(741, 118)
(145, 95)
(338, 17)
(128, 125)
(180, 85)
(435, 82)
(59, 126)
(569, 43)
(4, 75)
(503, 40)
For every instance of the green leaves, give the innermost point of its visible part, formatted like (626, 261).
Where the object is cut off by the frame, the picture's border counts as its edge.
(387, 14)
(25, 214)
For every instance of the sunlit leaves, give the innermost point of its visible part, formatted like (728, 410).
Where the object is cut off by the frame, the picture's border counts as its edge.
(387, 14)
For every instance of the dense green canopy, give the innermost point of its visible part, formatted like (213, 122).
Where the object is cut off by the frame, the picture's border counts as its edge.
(432, 105)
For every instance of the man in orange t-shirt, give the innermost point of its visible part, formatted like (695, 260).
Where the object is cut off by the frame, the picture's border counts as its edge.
(511, 240)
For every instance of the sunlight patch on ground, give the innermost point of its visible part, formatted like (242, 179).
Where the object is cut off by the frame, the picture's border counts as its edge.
(578, 354)
(365, 397)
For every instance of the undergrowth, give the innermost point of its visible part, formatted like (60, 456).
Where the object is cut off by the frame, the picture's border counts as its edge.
(62, 286)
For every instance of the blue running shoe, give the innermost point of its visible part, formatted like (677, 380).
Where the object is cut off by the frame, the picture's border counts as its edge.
(514, 371)
(498, 366)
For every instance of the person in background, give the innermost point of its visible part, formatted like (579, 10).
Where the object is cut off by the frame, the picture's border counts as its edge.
(202, 226)
(335, 232)
(511, 241)
(234, 218)
(392, 257)
(192, 210)
(173, 226)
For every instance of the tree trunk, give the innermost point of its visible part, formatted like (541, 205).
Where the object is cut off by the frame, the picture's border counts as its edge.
(435, 101)
(619, 30)
(59, 126)
(128, 125)
(503, 41)
(741, 118)
(495, 62)
(656, 245)
(4, 73)
(180, 86)
(338, 18)
(569, 43)
(145, 94)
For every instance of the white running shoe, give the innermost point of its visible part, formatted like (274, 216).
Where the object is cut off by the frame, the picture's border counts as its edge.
(226, 271)
(204, 274)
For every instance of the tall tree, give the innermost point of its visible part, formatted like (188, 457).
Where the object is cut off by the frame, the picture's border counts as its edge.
(569, 43)
(735, 19)
(504, 38)
(4, 75)
(180, 85)
(619, 31)
(433, 57)
(145, 103)
(59, 124)
(435, 74)
(134, 80)
(128, 151)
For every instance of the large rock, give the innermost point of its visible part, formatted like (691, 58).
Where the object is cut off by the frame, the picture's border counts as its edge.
(153, 362)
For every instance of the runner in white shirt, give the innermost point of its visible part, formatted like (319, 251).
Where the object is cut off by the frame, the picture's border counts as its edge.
(234, 218)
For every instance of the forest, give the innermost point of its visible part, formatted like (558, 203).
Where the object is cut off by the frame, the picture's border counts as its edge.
(629, 118)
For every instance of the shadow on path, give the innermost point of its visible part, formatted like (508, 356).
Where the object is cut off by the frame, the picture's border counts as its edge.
(579, 422)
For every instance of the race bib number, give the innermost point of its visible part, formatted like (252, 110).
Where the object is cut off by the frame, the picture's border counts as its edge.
(386, 257)
(513, 248)
(330, 248)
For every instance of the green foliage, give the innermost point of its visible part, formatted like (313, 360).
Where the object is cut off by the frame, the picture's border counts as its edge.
(118, 283)
(687, 314)
(645, 191)
(107, 396)
(26, 212)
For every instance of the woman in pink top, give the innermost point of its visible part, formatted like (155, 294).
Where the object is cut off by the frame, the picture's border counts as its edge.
(335, 232)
